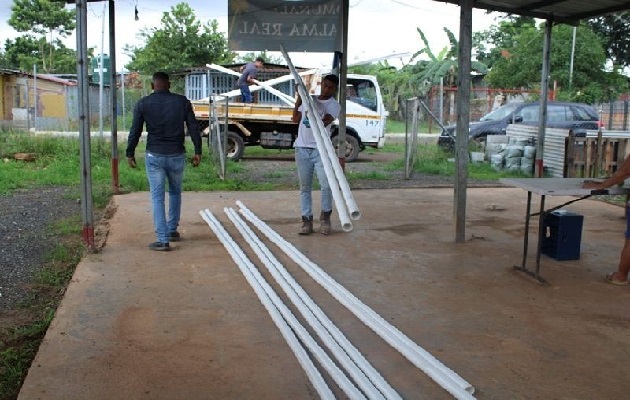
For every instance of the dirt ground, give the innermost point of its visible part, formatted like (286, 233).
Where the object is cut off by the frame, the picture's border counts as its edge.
(186, 324)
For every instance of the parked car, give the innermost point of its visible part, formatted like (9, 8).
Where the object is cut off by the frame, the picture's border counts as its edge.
(559, 115)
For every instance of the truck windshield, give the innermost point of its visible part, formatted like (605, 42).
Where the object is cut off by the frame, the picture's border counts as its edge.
(500, 113)
(361, 92)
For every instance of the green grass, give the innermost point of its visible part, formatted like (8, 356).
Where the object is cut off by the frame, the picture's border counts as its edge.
(371, 175)
(17, 353)
(395, 126)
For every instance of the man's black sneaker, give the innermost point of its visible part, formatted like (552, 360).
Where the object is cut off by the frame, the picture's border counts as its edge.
(174, 236)
(159, 246)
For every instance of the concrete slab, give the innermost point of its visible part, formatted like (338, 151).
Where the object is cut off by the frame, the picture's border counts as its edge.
(136, 324)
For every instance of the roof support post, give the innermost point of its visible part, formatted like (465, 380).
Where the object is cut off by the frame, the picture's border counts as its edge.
(343, 79)
(463, 119)
(84, 124)
(544, 89)
(114, 98)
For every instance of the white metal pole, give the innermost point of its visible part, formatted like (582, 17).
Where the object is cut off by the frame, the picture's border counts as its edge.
(572, 57)
(122, 85)
(441, 100)
(100, 72)
(35, 97)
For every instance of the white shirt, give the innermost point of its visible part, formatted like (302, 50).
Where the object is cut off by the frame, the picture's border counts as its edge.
(305, 132)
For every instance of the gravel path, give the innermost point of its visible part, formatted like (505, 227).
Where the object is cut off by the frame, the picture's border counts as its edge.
(25, 216)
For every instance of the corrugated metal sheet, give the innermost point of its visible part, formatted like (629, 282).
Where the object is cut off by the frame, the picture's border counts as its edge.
(554, 148)
(558, 10)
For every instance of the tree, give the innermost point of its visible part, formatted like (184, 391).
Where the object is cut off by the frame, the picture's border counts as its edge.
(520, 65)
(180, 42)
(46, 22)
(25, 51)
(396, 85)
(443, 65)
(489, 45)
(614, 30)
(269, 59)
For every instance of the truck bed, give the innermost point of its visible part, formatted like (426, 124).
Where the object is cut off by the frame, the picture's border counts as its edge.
(246, 111)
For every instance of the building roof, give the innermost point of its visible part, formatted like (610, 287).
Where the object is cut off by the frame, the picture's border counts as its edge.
(568, 11)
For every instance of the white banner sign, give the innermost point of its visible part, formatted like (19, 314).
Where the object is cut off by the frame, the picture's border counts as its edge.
(310, 25)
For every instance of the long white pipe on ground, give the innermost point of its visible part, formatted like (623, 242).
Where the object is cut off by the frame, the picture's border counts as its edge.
(277, 309)
(367, 378)
(307, 101)
(422, 359)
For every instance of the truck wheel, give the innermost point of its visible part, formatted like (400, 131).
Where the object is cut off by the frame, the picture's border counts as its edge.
(235, 146)
(352, 147)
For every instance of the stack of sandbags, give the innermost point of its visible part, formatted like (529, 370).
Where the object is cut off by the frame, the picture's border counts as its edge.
(527, 161)
(513, 155)
(517, 155)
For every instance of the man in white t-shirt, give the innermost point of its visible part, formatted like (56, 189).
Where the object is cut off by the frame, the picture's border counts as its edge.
(307, 156)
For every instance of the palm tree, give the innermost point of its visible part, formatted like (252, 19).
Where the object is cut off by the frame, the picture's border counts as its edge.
(444, 64)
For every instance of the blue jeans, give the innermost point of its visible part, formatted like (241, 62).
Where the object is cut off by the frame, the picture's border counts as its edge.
(309, 161)
(159, 169)
(246, 94)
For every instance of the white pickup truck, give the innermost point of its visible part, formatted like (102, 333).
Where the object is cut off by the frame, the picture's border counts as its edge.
(270, 125)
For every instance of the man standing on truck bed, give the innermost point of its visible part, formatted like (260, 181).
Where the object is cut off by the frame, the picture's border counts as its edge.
(248, 74)
(307, 156)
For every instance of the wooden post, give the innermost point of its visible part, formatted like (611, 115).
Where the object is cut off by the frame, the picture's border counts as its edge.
(463, 119)
(569, 171)
(598, 154)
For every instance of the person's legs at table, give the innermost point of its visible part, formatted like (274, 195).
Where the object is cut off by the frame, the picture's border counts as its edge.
(620, 276)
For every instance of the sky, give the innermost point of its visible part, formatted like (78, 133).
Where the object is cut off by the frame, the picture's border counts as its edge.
(377, 28)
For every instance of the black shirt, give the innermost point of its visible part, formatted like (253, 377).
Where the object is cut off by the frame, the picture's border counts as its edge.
(165, 115)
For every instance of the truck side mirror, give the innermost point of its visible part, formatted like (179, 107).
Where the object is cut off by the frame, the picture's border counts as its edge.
(517, 119)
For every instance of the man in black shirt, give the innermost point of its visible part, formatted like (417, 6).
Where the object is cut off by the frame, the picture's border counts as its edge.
(165, 115)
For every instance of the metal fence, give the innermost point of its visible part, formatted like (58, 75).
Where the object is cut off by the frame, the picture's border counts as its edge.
(203, 84)
(614, 115)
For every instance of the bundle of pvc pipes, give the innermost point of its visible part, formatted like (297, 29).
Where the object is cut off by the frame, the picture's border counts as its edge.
(359, 369)
(344, 200)
(293, 332)
(444, 376)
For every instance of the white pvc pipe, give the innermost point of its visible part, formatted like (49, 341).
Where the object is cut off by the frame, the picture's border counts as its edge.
(363, 373)
(266, 84)
(303, 358)
(277, 309)
(422, 359)
(307, 101)
(327, 150)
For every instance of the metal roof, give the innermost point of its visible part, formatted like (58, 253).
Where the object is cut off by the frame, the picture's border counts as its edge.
(569, 11)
